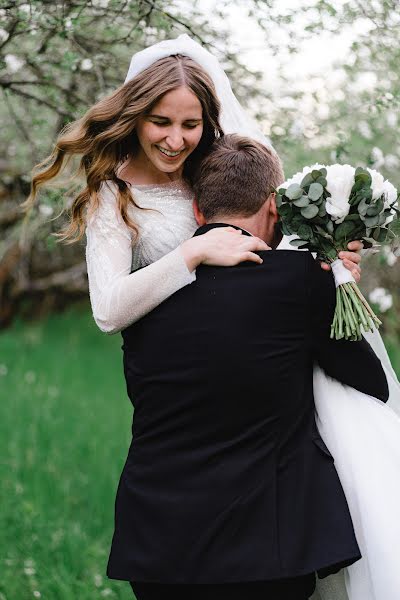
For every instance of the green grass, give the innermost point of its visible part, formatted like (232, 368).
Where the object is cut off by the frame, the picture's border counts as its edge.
(64, 433)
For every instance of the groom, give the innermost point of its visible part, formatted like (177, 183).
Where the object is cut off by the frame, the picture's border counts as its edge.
(227, 480)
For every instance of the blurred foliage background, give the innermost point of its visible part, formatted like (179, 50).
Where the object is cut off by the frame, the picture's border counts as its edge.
(65, 421)
(58, 58)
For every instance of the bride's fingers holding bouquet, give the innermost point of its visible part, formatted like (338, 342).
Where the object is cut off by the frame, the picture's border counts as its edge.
(223, 247)
(351, 259)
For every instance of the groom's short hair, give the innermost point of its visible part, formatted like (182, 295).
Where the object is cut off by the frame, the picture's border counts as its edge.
(236, 177)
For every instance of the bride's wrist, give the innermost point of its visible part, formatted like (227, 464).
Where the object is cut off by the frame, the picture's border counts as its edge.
(192, 253)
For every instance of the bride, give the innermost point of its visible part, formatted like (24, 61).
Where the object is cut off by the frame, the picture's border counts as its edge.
(362, 433)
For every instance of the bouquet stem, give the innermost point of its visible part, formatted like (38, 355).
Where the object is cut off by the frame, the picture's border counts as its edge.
(352, 313)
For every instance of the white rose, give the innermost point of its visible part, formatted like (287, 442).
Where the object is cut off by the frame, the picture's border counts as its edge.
(340, 180)
(376, 184)
(390, 194)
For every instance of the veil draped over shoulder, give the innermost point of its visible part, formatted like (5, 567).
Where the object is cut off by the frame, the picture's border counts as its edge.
(362, 433)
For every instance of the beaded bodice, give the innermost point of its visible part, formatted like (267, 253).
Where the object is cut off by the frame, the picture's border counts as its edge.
(168, 222)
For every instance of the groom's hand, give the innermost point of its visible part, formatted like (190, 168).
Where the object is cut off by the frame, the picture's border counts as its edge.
(351, 260)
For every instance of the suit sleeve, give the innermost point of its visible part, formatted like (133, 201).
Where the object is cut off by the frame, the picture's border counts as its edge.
(352, 363)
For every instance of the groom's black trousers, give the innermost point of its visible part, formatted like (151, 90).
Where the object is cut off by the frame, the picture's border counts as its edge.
(298, 588)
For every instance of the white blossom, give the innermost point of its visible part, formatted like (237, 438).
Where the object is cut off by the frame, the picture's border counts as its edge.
(46, 210)
(391, 118)
(340, 180)
(377, 157)
(86, 64)
(3, 35)
(382, 298)
(297, 128)
(392, 161)
(389, 256)
(13, 63)
(365, 129)
(151, 31)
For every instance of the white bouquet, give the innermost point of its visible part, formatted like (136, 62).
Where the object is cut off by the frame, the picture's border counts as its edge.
(326, 207)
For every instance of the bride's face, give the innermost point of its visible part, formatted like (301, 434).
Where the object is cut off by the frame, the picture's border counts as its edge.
(171, 130)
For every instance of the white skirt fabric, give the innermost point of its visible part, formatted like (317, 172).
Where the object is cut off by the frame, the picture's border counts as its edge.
(363, 435)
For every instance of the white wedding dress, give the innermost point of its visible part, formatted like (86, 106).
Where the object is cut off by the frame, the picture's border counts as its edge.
(362, 433)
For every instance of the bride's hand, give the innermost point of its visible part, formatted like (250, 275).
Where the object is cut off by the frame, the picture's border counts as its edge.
(223, 247)
(351, 259)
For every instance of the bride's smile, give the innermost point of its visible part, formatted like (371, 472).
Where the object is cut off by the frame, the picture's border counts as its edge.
(170, 132)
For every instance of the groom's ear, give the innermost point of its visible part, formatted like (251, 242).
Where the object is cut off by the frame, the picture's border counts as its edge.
(198, 215)
(273, 211)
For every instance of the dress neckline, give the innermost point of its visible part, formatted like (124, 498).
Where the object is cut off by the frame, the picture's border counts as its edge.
(178, 183)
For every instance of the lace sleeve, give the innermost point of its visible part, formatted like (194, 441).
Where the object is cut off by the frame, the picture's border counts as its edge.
(119, 297)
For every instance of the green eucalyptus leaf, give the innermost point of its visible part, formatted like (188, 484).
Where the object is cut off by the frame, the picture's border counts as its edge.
(298, 243)
(322, 181)
(385, 235)
(376, 208)
(322, 210)
(363, 175)
(302, 201)
(371, 221)
(307, 180)
(355, 199)
(286, 229)
(278, 200)
(368, 242)
(331, 254)
(294, 191)
(352, 217)
(344, 230)
(315, 192)
(363, 207)
(285, 210)
(309, 212)
(329, 226)
(382, 219)
(322, 232)
(323, 171)
(297, 220)
(315, 174)
(380, 235)
(305, 232)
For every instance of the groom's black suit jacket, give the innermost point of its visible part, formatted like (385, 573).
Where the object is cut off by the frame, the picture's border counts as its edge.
(227, 478)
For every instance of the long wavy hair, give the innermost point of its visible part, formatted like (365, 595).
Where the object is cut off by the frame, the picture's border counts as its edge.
(105, 137)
